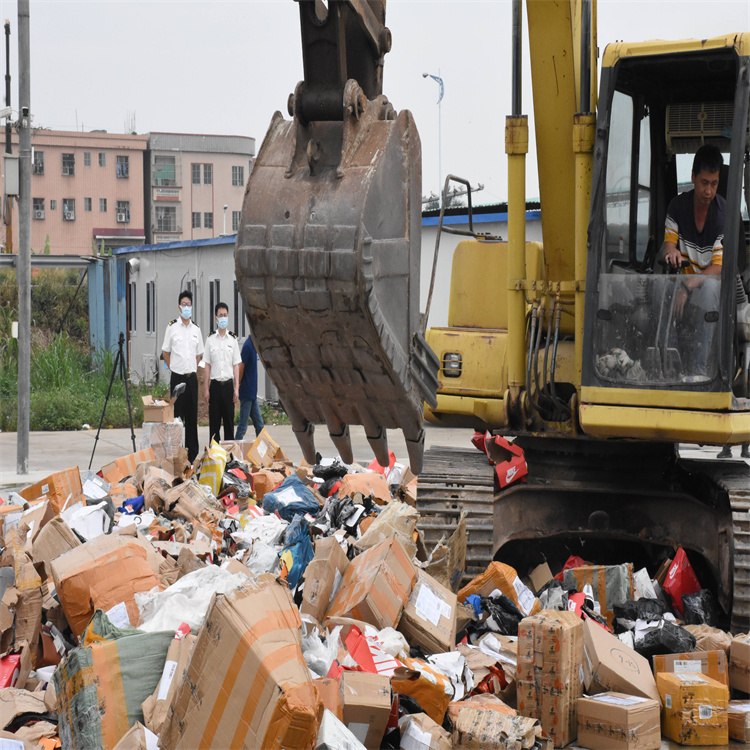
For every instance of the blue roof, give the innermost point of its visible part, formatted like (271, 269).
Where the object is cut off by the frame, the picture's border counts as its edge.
(182, 245)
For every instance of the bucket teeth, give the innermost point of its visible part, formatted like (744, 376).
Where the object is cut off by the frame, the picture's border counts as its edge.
(415, 449)
(379, 445)
(343, 444)
(307, 442)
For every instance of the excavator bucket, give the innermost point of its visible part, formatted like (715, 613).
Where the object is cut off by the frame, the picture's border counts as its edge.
(328, 251)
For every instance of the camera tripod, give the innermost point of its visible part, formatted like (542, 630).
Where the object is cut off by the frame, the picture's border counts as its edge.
(117, 366)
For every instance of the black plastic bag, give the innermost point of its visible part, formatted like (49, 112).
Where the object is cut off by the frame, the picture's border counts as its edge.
(700, 609)
(667, 638)
(644, 609)
(503, 613)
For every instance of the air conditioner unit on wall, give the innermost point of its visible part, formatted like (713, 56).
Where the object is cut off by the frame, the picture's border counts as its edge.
(69, 215)
(122, 217)
(39, 214)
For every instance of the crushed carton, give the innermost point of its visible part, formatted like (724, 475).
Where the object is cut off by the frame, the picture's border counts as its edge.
(711, 663)
(420, 732)
(609, 664)
(366, 706)
(376, 586)
(126, 466)
(739, 720)
(505, 579)
(550, 679)
(616, 721)
(739, 663)
(694, 709)
(158, 409)
(369, 483)
(247, 684)
(491, 730)
(61, 488)
(323, 577)
(429, 617)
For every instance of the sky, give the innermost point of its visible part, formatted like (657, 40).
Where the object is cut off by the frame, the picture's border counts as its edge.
(225, 66)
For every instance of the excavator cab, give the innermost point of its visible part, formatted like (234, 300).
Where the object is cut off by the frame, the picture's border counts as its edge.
(659, 362)
(327, 254)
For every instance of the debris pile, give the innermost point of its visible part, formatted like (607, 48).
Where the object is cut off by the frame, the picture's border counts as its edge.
(247, 602)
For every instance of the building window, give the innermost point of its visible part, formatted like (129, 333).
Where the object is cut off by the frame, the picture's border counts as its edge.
(123, 166)
(38, 167)
(123, 212)
(102, 159)
(214, 297)
(166, 220)
(69, 164)
(150, 306)
(87, 204)
(131, 307)
(53, 205)
(208, 220)
(87, 158)
(236, 216)
(164, 171)
(69, 209)
(196, 219)
(102, 205)
(208, 174)
(196, 174)
(238, 176)
(38, 208)
(239, 313)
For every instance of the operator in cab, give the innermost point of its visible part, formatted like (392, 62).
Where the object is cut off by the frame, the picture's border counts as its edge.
(694, 240)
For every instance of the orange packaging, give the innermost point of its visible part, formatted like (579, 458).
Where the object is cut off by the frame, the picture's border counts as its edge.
(502, 577)
(368, 483)
(60, 488)
(430, 688)
(126, 466)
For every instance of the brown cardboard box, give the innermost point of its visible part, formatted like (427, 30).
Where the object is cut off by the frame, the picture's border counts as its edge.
(501, 576)
(166, 438)
(368, 483)
(491, 730)
(126, 466)
(611, 665)
(694, 709)
(550, 679)
(616, 721)
(247, 684)
(105, 573)
(539, 576)
(263, 481)
(366, 706)
(420, 732)
(739, 720)
(739, 663)
(328, 688)
(60, 488)
(429, 617)
(158, 409)
(376, 586)
(612, 585)
(711, 663)
(55, 539)
(323, 577)
(264, 450)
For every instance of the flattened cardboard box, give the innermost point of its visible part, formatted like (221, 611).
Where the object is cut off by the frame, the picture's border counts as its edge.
(126, 466)
(366, 706)
(550, 679)
(739, 720)
(694, 709)
(711, 663)
(57, 488)
(616, 721)
(376, 586)
(247, 684)
(54, 539)
(611, 665)
(323, 577)
(429, 617)
(105, 573)
(739, 663)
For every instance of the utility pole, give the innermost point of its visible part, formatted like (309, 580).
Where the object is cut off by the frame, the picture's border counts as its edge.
(23, 265)
(8, 136)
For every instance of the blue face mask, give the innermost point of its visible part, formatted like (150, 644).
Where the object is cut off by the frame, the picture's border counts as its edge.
(186, 312)
(223, 322)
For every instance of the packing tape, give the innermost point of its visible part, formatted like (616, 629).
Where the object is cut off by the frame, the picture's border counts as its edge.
(111, 693)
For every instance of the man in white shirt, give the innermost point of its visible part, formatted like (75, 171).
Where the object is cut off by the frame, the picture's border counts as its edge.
(222, 360)
(182, 350)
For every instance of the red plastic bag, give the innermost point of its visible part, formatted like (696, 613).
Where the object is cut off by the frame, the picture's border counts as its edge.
(572, 562)
(681, 579)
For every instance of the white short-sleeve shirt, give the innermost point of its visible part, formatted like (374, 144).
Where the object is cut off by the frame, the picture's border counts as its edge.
(222, 353)
(184, 343)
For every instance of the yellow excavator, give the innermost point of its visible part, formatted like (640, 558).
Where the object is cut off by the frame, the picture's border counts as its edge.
(572, 345)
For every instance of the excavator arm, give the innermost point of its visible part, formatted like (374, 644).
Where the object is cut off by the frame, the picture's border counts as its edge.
(328, 251)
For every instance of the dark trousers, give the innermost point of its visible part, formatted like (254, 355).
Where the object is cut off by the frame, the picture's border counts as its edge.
(221, 409)
(186, 408)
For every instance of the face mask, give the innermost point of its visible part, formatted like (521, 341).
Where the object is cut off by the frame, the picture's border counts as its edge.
(223, 322)
(186, 311)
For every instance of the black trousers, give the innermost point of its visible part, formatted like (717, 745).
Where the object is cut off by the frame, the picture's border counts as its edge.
(221, 409)
(186, 408)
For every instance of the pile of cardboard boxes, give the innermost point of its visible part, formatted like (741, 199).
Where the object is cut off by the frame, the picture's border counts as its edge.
(245, 602)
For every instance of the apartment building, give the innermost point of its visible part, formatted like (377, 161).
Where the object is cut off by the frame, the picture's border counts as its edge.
(87, 188)
(195, 185)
